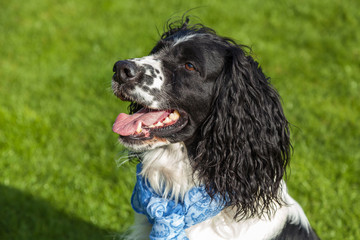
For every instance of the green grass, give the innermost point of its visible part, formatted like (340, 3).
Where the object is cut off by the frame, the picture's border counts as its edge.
(59, 178)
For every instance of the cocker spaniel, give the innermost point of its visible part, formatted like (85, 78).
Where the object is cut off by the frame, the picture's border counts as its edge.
(212, 140)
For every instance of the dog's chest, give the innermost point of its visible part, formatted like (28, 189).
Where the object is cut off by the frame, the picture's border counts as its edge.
(168, 170)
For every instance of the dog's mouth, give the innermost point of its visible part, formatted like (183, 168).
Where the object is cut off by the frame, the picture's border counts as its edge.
(149, 123)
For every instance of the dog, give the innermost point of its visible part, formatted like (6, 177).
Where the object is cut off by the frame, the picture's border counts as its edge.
(212, 140)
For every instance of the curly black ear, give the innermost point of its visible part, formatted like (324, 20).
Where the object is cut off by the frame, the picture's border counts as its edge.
(245, 144)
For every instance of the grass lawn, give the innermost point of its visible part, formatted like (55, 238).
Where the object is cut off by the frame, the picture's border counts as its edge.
(59, 174)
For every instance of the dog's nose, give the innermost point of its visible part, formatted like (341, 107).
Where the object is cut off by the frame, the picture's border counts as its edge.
(125, 71)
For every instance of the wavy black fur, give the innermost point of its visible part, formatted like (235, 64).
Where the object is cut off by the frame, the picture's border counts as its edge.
(245, 144)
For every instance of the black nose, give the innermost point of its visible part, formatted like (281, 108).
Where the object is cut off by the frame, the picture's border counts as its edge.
(125, 71)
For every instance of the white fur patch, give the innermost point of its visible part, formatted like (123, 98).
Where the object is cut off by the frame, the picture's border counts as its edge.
(296, 213)
(184, 39)
(168, 170)
(156, 64)
(223, 227)
(153, 71)
(145, 96)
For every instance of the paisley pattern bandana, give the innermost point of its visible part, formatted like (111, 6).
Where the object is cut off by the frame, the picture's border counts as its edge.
(170, 219)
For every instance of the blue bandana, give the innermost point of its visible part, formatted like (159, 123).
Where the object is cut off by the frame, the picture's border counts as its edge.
(169, 219)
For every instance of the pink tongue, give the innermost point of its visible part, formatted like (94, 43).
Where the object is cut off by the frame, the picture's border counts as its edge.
(126, 125)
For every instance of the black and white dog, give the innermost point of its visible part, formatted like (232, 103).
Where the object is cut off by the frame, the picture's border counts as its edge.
(204, 114)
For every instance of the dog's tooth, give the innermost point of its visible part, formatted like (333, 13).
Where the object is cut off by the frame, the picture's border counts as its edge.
(175, 115)
(151, 126)
(167, 120)
(139, 129)
(159, 124)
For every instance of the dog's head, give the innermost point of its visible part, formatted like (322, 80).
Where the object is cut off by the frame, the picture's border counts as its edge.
(172, 89)
(206, 91)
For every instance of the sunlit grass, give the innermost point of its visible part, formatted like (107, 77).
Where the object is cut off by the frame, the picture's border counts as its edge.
(58, 157)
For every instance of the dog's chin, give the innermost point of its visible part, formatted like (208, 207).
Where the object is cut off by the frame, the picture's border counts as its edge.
(141, 145)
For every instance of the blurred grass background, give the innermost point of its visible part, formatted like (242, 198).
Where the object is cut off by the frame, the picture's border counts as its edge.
(58, 173)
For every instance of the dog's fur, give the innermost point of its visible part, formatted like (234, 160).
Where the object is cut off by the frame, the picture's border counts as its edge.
(232, 135)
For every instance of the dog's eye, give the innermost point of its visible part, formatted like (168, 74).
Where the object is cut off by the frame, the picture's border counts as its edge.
(189, 67)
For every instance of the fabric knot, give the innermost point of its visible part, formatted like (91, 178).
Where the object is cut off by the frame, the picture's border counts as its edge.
(170, 219)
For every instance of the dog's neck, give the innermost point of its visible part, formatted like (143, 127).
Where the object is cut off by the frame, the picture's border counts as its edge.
(168, 170)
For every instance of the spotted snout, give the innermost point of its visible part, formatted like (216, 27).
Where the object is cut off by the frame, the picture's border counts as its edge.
(140, 79)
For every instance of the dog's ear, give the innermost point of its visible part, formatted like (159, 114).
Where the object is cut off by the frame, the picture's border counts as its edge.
(245, 144)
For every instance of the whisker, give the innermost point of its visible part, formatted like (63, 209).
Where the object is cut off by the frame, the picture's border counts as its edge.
(125, 156)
